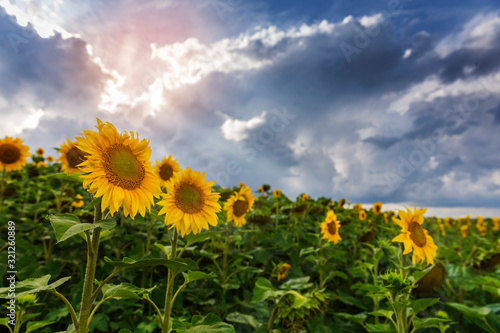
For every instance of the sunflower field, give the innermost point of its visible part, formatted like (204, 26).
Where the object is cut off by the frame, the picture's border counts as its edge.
(101, 240)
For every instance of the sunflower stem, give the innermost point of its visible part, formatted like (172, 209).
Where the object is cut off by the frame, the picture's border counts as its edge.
(170, 286)
(2, 189)
(92, 249)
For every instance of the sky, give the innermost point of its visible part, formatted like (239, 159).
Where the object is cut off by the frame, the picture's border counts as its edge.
(395, 101)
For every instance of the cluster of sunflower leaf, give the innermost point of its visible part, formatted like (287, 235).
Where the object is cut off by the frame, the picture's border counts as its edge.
(113, 244)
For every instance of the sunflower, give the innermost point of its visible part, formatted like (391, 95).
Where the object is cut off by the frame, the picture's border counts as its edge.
(464, 230)
(39, 152)
(241, 185)
(189, 204)
(386, 217)
(496, 225)
(261, 189)
(13, 154)
(118, 169)
(362, 215)
(41, 164)
(50, 159)
(78, 202)
(283, 271)
(377, 208)
(305, 197)
(342, 202)
(330, 228)
(277, 193)
(414, 237)
(238, 205)
(71, 157)
(166, 169)
(447, 221)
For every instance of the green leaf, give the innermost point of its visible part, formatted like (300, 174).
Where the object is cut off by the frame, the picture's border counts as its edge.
(74, 177)
(199, 237)
(208, 324)
(33, 286)
(419, 323)
(123, 330)
(422, 304)
(68, 225)
(298, 301)
(384, 313)
(472, 312)
(94, 202)
(379, 328)
(35, 325)
(264, 290)
(240, 318)
(123, 290)
(356, 318)
(307, 250)
(191, 276)
(176, 265)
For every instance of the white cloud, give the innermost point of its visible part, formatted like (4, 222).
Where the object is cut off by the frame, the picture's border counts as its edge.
(237, 130)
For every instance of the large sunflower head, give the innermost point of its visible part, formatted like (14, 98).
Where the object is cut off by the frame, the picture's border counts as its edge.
(13, 154)
(362, 215)
(189, 204)
(166, 169)
(277, 193)
(377, 208)
(330, 228)
(238, 205)
(118, 169)
(39, 152)
(71, 157)
(414, 237)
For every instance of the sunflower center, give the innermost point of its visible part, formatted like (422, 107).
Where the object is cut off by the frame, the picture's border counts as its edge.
(75, 156)
(122, 167)
(9, 153)
(189, 199)
(240, 208)
(417, 234)
(332, 228)
(166, 172)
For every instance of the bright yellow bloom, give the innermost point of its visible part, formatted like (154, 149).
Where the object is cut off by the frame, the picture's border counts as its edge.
(13, 154)
(305, 197)
(50, 159)
(443, 231)
(377, 208)
(464, 230)
(414, 237)
(241, 184)
(41, 164)
(79, 202)
(238, 205)
(261, 189)
(362, 215)
(386, 217)
(283, 271)
(447, 222)
(189, 204)
(166, 169)
(118, 170)
(496, 225)
(39, 152)
(71, 157)
(277, 193)
(330, 228)
(481, 226)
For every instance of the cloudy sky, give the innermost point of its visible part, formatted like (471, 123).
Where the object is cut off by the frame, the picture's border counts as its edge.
(393, 101)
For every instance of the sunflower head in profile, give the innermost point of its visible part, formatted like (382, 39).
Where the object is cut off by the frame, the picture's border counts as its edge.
(241, 185)
(414, 237)
(261, 189)
(377, 208)
(71, 157)
(118, 170)
(362, 215)
(41, 164)
(330, 228)
(283, 271)
(40, 152)
(305, 197)
(464, 230)
(238, 205)
(277, 193)
(13, 154)
(342, 202)
(386, 217)
(166, 169)
(189, 204)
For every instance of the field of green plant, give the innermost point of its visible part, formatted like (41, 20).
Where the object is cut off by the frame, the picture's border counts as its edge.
(102, 250)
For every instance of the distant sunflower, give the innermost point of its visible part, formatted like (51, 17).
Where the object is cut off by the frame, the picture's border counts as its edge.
(342, 202)
(330, 228)
(238, 205)
(39, 152)
(464, 230)
(496, 224)
(71, 157)
(277, 193)
(414, 237)
(283, 271)
(118, 170)
(386, 217)
(189, 204)
(166, 169)
(41, 164)
(50, 159)
(78, 202)
(261, 189)
(13, 154)
(305, 197)
(377, 208)
(362, 215)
